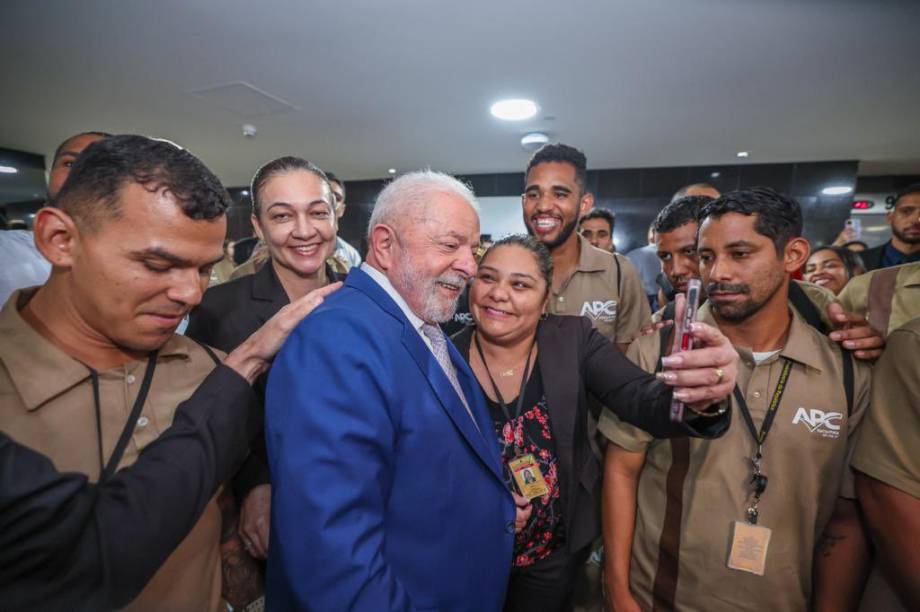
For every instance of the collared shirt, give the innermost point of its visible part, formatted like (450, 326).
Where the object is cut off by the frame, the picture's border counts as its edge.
(902, 304)
(347, 253)
(46, 403)
(387, 286)
(691, 491)
(893, 257)
(605, 288)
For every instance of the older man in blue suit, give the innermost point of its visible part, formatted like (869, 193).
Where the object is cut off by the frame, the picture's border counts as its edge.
(388, 492)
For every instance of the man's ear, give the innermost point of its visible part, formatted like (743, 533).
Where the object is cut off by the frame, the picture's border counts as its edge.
(56, 236)
(796, 254)
(586, 204)
(383, 245)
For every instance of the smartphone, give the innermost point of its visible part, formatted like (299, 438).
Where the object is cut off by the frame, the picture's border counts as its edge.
(856, 226)
(684, 338)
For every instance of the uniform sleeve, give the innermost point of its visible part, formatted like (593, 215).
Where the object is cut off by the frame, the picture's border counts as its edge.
(887, 447)
(633, 310)
(611, 427)
(855, 296)
(66, 543)
(821, 298)
(637, 397)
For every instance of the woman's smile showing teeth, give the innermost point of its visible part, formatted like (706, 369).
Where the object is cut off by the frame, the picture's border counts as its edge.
(306, 249)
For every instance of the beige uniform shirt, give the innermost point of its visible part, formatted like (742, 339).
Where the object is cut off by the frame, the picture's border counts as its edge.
(46, 403)
(901, 299)
(594, 291)
(691, 491)
(888, 448)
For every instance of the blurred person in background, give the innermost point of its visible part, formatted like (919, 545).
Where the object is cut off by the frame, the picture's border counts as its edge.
(832, 267)
(904, 245)
(346, 253)
(597, 227)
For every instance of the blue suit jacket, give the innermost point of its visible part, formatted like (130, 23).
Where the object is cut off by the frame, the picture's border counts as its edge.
(385, 495)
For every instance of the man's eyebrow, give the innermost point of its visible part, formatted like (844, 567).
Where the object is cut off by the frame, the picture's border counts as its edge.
(740, 243)
(170, 257)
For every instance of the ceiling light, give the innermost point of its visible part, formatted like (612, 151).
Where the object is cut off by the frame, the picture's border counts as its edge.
(244, 192)
(534, 140)
(8, 170)
(514, 109)
(837, 190)
(743, 154)
(715, 175)
(392, 170)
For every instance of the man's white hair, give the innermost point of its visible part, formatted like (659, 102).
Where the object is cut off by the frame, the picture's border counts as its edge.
(407, 198)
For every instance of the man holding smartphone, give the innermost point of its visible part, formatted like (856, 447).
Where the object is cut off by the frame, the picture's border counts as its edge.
(707, 525)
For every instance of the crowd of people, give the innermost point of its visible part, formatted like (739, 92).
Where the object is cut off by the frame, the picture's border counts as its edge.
(442, 426)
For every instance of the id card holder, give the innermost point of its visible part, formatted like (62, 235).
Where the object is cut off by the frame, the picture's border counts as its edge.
(749, 548)
(527, 475)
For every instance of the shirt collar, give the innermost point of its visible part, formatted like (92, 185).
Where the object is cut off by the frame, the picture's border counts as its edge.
(590, 258)
(387, 286)
(800, 345)
(39, 370)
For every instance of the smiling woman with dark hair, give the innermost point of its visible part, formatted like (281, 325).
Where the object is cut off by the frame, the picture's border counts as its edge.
(832, 267)
(536, 371)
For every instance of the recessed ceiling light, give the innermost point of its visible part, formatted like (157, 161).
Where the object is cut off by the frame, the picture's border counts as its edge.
(837, 190)
(244, 192)
(715, 175)
(516, 109)
(534, 140)
(743, 154)
(8, 170)
(392, 170)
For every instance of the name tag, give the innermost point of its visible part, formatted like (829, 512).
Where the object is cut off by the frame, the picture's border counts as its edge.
(749, 548)
(527, 475)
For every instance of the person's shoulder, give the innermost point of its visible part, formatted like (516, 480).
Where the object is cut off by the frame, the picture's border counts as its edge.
(223, 295)
(908, 335)
(197, 359)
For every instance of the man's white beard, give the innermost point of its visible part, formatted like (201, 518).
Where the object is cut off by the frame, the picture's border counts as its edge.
(433, 307)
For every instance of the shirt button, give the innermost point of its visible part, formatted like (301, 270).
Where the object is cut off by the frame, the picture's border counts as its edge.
(756, 393)
(130, 379)
(509, 527)
(142, 422)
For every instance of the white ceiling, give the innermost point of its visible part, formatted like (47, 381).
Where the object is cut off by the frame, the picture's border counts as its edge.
(408, 83)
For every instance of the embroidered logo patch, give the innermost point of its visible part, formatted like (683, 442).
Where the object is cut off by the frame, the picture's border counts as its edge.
(826, 424)
(600, 310)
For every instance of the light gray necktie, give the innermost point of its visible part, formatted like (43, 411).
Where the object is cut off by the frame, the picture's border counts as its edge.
(439, 348)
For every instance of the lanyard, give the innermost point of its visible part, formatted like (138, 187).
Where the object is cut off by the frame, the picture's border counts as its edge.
(498, 395)
(759, 480)
(106, 469)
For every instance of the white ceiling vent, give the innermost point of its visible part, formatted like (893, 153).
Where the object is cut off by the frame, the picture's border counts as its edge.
(244, 100)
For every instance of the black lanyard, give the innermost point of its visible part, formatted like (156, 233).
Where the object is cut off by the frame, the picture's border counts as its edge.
(498, 394)
(106, 469)
(759, 480)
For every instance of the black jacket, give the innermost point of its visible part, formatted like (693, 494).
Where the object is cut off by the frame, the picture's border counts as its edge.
(872, 258)
(228, 314)
(575, 360)
(68, 544)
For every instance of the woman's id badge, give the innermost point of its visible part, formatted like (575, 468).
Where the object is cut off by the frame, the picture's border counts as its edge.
(749, 548)
(527, 475)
